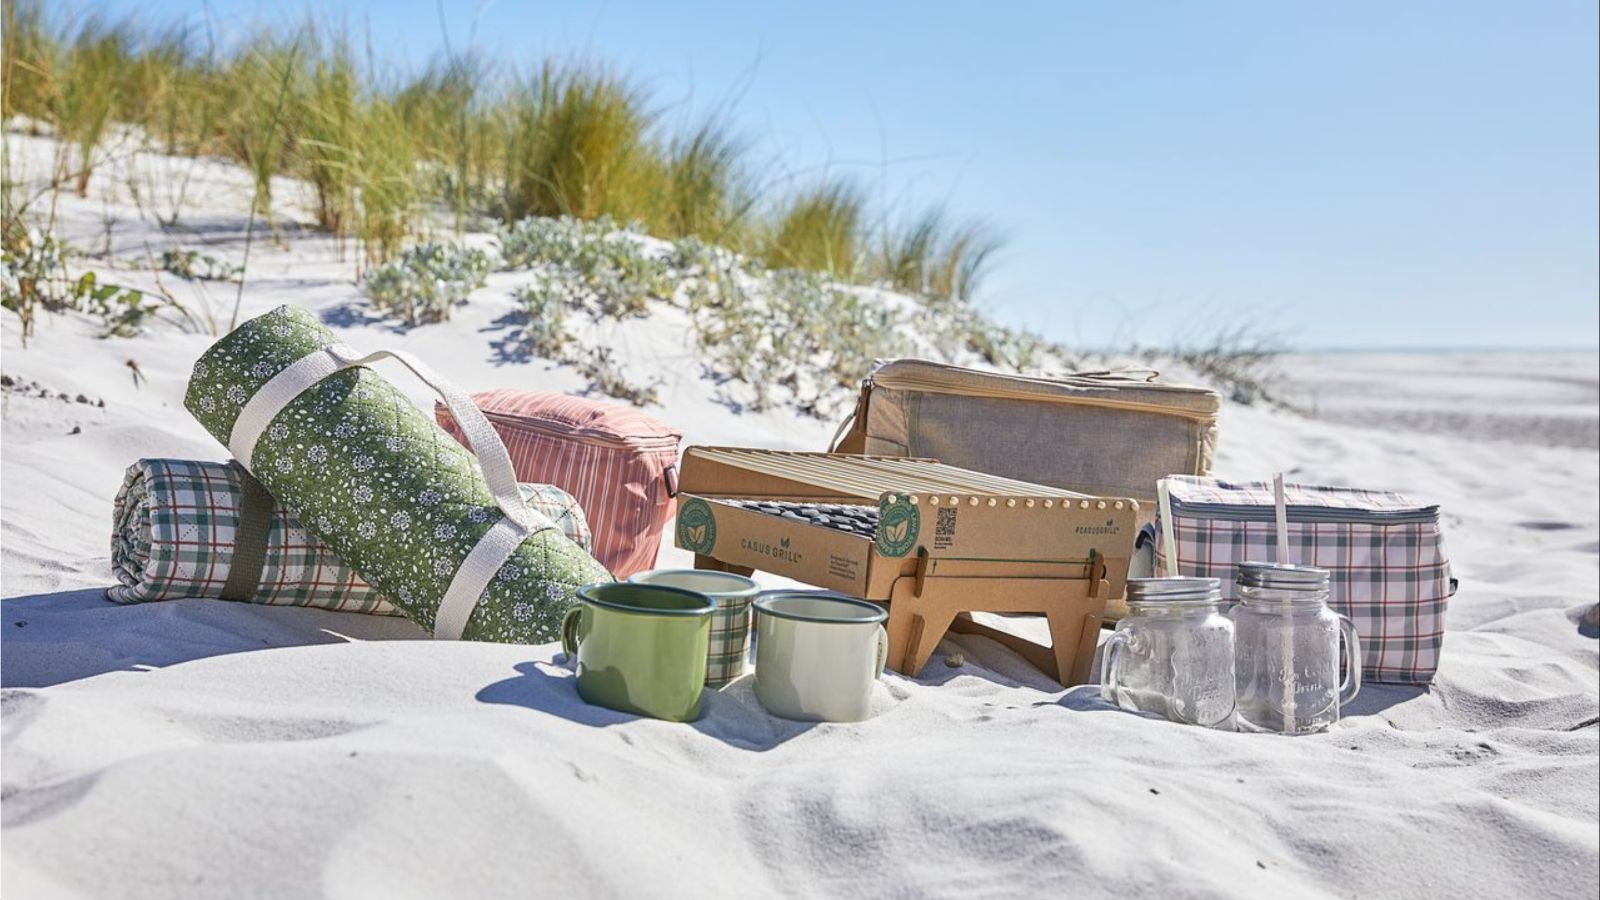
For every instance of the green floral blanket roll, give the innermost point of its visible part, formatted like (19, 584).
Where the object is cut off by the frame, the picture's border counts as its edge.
(372, 476)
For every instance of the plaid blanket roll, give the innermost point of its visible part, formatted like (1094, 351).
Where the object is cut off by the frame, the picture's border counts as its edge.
(175, 522)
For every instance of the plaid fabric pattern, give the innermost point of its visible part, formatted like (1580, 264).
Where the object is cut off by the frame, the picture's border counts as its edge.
(730, 642)
(1391, 579)
(173, 526)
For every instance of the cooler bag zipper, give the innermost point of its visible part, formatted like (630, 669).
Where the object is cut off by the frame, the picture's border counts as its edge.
(1328, 515)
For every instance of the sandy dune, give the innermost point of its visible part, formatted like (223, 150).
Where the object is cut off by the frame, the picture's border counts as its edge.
(200, 748)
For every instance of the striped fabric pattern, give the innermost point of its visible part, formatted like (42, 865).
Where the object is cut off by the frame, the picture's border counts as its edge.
(617, 461)
(1391, 579)
(172, 536)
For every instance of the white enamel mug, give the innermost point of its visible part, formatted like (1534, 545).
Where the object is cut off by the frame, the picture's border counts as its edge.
(818, 655)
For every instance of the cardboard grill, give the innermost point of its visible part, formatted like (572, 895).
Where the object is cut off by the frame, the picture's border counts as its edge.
(933, 542)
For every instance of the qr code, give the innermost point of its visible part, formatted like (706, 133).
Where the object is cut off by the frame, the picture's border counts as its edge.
(944, 532)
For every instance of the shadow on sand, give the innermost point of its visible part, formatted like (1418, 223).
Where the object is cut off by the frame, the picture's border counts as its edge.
(64, 636)
(731, 715)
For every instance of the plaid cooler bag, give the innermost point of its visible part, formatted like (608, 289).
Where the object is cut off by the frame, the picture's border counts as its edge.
(1386, 554)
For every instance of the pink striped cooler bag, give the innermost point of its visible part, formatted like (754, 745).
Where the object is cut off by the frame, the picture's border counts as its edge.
(619, 463)
(1385, 553)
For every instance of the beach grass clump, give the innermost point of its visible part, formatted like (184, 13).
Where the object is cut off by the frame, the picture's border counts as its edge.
(28, 64)
(702, 190)
(453, 132)
(425, 281)
(577, 143)
(819, 230)
(260, 117)
(95, 71)
(329, 113)
(596, 266)
(929, 257)
(388, 198)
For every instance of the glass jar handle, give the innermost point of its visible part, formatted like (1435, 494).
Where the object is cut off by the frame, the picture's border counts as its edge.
(1108, 666)
(1352, 660)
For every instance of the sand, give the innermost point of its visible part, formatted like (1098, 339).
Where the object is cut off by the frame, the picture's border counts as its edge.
(199, 748)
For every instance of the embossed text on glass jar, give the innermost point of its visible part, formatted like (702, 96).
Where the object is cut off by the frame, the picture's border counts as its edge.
(1287, 644)
(1173, 653)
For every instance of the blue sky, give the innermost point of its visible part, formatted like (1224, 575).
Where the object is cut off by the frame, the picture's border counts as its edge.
(1363, 174)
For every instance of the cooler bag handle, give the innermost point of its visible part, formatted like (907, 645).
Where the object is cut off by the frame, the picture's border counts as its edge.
(856, 440)
(1123, 373)
(496, 545)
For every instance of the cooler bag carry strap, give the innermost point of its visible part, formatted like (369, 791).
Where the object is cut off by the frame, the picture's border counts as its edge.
(851, 436)
(495, 547)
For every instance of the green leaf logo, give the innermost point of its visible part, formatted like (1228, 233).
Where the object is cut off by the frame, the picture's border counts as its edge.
(899, 525)
(697, 527)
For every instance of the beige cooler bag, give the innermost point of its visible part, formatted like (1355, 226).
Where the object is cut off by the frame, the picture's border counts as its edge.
(1105, 433)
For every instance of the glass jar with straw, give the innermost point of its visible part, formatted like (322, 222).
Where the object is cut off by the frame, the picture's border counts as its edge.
(1287, 642)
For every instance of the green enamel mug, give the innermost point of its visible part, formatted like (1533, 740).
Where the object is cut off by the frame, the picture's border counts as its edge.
(640, 648)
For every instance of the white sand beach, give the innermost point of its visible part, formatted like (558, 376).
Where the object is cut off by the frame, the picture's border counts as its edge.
(202, 748)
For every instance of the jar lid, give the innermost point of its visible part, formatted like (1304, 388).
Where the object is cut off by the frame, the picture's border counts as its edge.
(1282, 576)
(1174, 590)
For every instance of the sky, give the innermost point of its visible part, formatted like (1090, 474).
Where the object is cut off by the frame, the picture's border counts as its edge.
(1335, 175)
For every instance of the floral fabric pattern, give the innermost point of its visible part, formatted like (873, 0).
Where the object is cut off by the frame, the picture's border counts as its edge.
(389, 492)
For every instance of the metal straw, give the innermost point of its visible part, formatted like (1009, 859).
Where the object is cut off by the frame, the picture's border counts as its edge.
(1164, 507)
(1281, 508)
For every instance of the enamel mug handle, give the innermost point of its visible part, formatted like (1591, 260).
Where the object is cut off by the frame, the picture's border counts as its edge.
(1108, 666)
(569, 632)
(1352, 660)
(883, 651)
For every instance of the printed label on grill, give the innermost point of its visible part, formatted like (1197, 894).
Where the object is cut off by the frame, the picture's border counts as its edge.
(843, 567)
(944, 532)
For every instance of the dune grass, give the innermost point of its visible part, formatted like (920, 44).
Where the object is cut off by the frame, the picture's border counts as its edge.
(819, 229)
(567, 138)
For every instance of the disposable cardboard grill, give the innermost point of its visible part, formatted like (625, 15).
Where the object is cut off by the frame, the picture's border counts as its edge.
(949, 542)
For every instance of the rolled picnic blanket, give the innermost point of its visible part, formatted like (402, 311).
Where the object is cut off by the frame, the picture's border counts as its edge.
(193, 528)
(443, 534)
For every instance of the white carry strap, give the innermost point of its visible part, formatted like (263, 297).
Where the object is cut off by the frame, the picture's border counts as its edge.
(496, 545)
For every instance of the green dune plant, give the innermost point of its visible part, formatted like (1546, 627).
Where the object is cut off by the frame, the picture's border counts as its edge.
(425, 281)
(596, 266)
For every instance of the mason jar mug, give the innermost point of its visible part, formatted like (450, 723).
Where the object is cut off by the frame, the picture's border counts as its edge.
(1287, 650)
(1172, 654)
